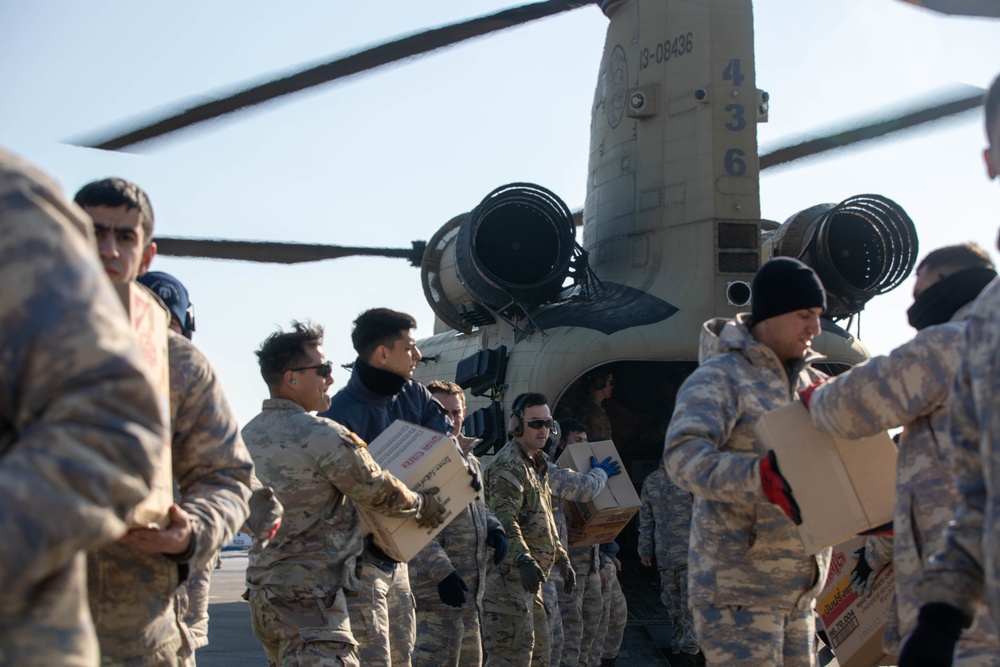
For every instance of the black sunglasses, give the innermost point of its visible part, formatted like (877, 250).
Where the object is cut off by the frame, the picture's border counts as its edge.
(538, 424)
(323, 370)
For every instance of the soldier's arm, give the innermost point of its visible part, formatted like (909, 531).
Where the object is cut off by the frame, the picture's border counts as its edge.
(433, 560)
(892, 390)
(647, 524)
(504, 494)
(212, 467)
(706, 412)
(79, 420)
(576, 486)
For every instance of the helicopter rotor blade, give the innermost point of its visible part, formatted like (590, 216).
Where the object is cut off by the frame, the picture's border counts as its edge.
(277, 252)
(377, 56)
(968, 99)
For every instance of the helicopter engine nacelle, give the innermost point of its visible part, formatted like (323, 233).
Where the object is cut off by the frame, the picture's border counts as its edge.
(862, 247)
(510, 254)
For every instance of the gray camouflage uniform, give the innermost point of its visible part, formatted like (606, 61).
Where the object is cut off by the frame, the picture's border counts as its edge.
(909, 387)
(515, 629)
(965, 571)
(579, 611)
(747, 568)
(133, 593)
(664, 531)
(296, 583)
(614, 615)
(79, 420)
(446, 636)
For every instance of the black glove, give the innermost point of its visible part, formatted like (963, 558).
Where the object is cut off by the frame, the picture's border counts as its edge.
(496, 539)
(452, 590)
(862, 576)
(531, 575)
(568, 575)
(475, 483)
(932, 642)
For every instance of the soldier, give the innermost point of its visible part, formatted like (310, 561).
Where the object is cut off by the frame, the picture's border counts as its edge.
(447, 575)
(597, 387)
(909, 387)
(664, 529)
(965, 571)
(515, 629)
(614, 611)
(79, 420)
(132, 582)
(752, 587)
(296, 583)
(380, 391)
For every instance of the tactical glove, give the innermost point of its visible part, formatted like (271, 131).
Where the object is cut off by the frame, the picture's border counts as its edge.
(531, 575)
(932, 642)
(776, 488)
(568, 575)
(265, 514)
(496, 539)
(452, 590)
(863, 576)
(431, 511)
(475, 482)
(609, 466)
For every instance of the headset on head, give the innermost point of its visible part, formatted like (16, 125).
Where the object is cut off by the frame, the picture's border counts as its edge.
(598, 380)
(517, 412)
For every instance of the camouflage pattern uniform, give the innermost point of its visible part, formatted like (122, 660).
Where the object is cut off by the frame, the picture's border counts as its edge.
(614, 614)
(752, 587)
(550, 597)
(664, 529)
(595, 418)
(965, 571)
(136, 622)
(909, 387)
(579, 611)
(79, 420)
(515, 629)
(447, 636)
(296, 583)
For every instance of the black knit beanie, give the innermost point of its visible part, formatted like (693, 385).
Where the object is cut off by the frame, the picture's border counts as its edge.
(784, 285)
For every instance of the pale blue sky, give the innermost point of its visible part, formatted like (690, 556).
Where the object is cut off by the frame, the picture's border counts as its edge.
(388, 158)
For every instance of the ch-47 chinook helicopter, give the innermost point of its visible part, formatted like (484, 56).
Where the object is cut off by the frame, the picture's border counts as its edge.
(671, 227)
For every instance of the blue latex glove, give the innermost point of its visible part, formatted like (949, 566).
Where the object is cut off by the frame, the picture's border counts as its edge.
(607, 465)
(452, 590)
(496, 539)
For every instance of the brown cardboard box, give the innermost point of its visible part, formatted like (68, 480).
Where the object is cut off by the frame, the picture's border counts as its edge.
(421, 458)
(855, 625)
(150, 320)
(601, 519)
(843, 487)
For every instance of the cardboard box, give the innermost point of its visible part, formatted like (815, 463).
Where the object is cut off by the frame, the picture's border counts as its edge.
(150, 321)
(855, 625)
(601, 519)
(421, 458)
(843, 487)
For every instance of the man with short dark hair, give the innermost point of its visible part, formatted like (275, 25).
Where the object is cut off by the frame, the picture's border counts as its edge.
(296, 583)
(752, 587)
(380, 391)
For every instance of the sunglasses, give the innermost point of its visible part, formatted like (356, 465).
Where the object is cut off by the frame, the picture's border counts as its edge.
(539, 424)
(323, 370)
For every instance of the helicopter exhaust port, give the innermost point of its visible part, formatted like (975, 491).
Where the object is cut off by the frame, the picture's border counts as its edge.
(860, 248)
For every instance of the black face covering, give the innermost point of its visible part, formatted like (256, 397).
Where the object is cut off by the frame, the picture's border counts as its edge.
(939, 302)
(379, 381)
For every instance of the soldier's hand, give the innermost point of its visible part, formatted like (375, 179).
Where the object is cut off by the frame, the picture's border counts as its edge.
(496, 539)
(568, 575)
(776, 487)
(646, 561)
(530, 574)
(604, 580)
(265, 514)
(475, 482)
(862, 576)
(431, 511)
(452, 590)
(932, 642)
(174, 539)
(608, 465)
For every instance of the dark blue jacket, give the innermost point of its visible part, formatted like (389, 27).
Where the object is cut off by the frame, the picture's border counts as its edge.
(368, 414)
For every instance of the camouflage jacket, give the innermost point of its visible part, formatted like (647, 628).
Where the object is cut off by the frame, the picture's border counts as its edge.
(130, 597)
(743, 549)
(664, 521)
(966, 570)
(314, 466)
(461, 547)
(909, 387)
(595, 418)
(517, 491)
(79, 420)
(566, 484)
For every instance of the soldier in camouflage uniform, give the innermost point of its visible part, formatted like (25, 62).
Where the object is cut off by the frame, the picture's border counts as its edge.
(664, 529)
(515, 628)
(446, 577)
(80, 422)
(132, 583)
(596, 388)
(752, 587)
(965, 571)
(909, 387)
(296, 583)
(614, 611)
